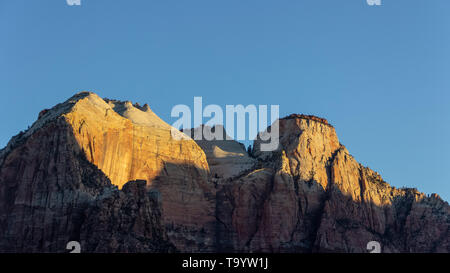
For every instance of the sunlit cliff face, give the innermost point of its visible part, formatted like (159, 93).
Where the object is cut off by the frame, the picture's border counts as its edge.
(109, 174)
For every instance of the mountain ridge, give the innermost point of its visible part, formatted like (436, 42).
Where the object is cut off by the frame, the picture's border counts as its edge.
(156, 194)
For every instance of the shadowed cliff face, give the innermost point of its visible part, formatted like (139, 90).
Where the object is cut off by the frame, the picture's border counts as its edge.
(134, 144)
(226, 157)
(119, 150)
(312, 195)
(51, 194)
(67, 178)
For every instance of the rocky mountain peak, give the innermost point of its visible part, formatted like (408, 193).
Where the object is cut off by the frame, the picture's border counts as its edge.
(308, 144)
(109, 174)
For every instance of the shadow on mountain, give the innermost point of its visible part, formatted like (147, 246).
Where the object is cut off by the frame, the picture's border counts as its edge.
(267, 211)
(51, 194)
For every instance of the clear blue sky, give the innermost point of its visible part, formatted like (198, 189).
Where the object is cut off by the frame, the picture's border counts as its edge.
(379, 74)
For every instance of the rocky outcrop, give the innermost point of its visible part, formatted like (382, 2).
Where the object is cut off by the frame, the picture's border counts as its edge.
(226, 157)
(125, 221)
(312, 195)
(361, 206)
(47, 189)
(130, 143)
(41, 178)
(110, 175)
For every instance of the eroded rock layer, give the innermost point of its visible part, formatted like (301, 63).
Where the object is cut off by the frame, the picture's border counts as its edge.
(311, 195)
(110, 175)
(38, 167)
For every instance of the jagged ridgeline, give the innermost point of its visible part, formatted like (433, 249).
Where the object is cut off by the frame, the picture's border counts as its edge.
(108, 174)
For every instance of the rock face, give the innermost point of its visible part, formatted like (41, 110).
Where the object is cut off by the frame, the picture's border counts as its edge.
(311, 195)
(43, 172)
(129, 143)
(109, 174)
(226, 157)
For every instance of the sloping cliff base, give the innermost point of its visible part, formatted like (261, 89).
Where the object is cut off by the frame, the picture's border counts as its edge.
(108, 175)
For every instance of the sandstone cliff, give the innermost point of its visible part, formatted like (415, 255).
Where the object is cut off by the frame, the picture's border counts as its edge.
(46, 171)
(312, 195)
(226, 157)
(108, 174)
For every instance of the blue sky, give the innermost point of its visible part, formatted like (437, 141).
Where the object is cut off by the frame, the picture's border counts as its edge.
(380, 75)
